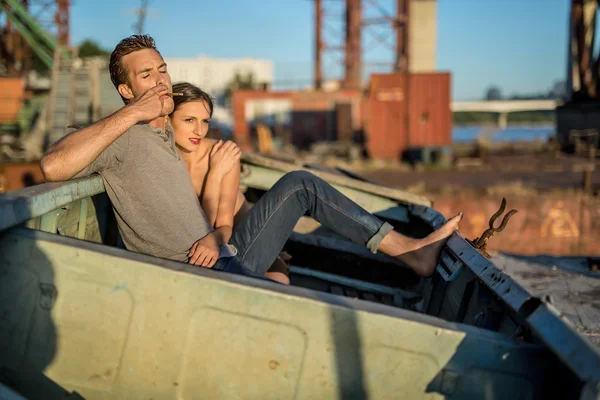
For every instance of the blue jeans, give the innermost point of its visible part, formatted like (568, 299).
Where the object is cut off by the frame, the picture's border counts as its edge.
(261, 235)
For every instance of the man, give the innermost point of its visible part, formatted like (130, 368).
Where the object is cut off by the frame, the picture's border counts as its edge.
(155, 204)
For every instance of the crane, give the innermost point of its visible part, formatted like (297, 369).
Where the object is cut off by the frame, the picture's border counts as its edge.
(21, 29)
(141, 13)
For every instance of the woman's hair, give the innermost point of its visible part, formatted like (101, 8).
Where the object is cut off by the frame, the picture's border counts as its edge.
(191, 93)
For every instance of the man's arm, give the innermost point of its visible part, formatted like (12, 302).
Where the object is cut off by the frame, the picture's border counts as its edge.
(77, 150)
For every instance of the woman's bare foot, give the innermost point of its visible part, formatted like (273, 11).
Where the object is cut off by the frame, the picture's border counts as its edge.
(278, 277)
(421, 255)
(279, 270)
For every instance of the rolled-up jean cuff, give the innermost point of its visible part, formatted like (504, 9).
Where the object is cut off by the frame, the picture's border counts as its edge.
(375, 241)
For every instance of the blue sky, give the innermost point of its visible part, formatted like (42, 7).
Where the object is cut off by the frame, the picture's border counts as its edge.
(518, 45)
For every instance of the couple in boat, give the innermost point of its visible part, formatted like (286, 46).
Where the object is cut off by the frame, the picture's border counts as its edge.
(176, 193)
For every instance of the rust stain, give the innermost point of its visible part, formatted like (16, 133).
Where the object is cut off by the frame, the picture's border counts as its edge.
(273, 364)
(557, 224)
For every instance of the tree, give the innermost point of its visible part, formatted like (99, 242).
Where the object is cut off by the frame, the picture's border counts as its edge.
(239, 82)
(559, 90)
(493, 93)
(89, 48)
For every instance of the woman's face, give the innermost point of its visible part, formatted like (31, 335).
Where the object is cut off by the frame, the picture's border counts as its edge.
(190, 123)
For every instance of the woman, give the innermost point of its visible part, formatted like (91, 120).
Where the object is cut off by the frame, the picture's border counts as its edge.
(214, 166)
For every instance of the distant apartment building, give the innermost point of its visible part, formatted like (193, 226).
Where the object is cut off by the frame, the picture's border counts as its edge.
(213, 75)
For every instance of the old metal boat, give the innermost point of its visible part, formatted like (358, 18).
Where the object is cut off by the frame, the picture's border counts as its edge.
(80, 316)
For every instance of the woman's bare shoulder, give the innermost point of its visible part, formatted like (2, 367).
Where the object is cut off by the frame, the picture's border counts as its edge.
(209, 143)
(204, 149)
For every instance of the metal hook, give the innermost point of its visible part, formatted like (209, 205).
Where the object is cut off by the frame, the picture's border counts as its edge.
(481, 242)
(504, 220)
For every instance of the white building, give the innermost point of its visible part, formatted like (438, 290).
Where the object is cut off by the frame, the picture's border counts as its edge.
(212, 75)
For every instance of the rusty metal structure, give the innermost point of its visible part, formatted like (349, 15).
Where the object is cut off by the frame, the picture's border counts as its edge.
(28, 26)
(328, 37)
(583, 70)
(402, 43)
(62, 22)
(353, 57)
(358, 17)
(580, 115)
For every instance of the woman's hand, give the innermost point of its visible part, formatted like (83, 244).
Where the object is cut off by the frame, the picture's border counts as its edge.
(223, 156)
(205, 252)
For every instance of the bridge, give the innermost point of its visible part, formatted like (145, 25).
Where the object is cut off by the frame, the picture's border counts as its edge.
(504, 107)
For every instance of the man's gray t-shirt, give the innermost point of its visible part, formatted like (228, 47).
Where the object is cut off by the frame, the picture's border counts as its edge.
(152, 194)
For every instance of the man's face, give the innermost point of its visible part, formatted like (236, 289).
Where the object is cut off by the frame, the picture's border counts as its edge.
(146, 69)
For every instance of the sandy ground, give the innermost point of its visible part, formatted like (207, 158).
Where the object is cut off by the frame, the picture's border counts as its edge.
(542, 172)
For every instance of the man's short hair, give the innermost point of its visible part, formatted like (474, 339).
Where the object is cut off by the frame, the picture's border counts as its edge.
(118, 72)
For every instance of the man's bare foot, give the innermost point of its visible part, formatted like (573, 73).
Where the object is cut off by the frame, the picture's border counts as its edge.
(425, 256)
(421, 255)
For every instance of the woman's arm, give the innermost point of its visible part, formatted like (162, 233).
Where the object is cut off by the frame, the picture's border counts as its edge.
(211, 191)
(224, 158)
(230, 186)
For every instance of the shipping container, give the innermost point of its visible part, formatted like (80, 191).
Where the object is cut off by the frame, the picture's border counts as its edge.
(430, 115)
(343, 121)
(407, 112)
(392, 124)
(386, 120)
(252, 104)
(314, 117)
(12, 97)
(310, 116)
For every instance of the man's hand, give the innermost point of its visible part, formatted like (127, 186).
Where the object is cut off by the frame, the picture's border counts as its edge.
(205, 252)
(153, 103)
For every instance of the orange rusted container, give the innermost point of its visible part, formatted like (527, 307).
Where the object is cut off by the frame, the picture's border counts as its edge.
(386, 120)
(429, 113)
(12, 96)
(15, 176)
(407, 111)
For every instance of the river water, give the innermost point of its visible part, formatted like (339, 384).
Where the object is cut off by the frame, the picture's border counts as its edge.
(511, 134)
